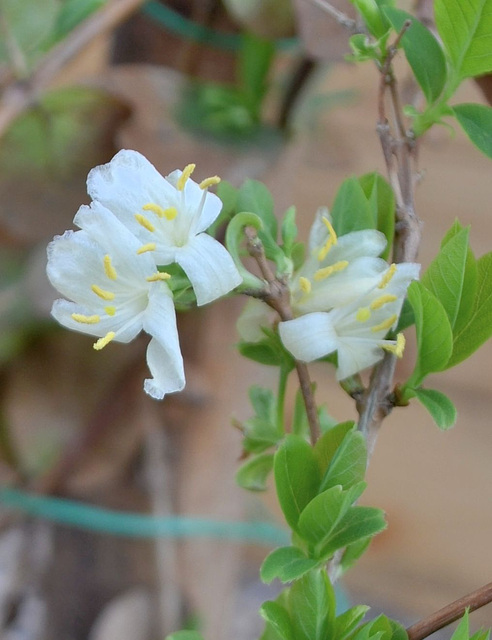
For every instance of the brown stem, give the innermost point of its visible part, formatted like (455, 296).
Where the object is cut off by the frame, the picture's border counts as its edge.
(450, 613)
(277, 296)
(20, 95)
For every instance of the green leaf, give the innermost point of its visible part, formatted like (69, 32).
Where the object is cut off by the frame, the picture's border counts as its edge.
(376, 23)
(289, 231)
(228, 195)
(466, 31)
(72, 13)
(434, 334)
(321, 515)
(353, 552)
(358, 523)
(233, 241)
(263, 352)
(254, 196)
(462, 630)
(478, 327)
(476, 120)
(185, 634)
(445, 277)
(286, 564)
(407, 317)
(312, 606)
(348, 466)
(327, 445)
(423, 52)
(255, 59)
(351, 210)
(382, 203)
(346, 622)
(263, 401)
(277, 616)
(438, 405)
(297, 477)
(253, 474)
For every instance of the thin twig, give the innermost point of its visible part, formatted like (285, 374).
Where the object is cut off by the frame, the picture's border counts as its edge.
(277, 296)
(340, 17)
(20, 95)
(450, 613)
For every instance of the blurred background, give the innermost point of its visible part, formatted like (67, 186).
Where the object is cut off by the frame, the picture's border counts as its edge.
(244, 89)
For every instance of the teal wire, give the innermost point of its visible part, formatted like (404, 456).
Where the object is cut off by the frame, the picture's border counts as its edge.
(135, 525)
(181, 26)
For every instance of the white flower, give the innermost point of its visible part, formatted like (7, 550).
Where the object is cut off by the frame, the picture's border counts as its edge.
(356, 330)
(169, 216)
(338, 270)
(113, 293)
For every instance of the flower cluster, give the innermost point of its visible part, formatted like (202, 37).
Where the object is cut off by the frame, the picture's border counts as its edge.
(112, 271)
(346, 299)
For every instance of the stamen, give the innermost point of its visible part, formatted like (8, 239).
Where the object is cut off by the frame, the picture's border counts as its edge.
(109, 270)
(363, 314)
(209, 182)
(160, 275)
(397, 348)
(382, 300)
(305, 284)
(102, 293)
(332, 240)
(386, 279)
(170, 213)
(155, 208)
(386, 324)
(146, 247)
(144, 222)
(183, 178)
(102, 342)
(110, 310)
(326, 272)
(331, 230)
(79, 317)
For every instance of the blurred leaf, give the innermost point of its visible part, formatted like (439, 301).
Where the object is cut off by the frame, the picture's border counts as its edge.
(346, 622)
(353, 552)
(382, 203)
(255, 197)
(73, 12)
(476, 120)
(228, 195)
(286, 564)
(255, 59)
(277, 616)
(253, 474)
(351, 210)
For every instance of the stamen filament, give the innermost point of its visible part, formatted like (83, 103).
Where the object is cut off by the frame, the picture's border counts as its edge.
(382, 300)
(159, 276)
(79, 317)
(331, 230)
(102, 293)
(144, 222)
(146, 247)
(386, 324)
(397, 348)
(109, 270)
(183, 178)
(209, 182)
(386, 279)
(102, 342)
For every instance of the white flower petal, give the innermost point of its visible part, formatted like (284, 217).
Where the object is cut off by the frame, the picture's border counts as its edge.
(309, 337)
(355, 355)
(202, 206)
(356, 244)
(255, 314)
(163, 354)
(209, 267)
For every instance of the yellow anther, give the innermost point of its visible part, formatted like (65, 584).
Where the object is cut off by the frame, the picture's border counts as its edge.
(79, 317)
(326, 272)
(102, 342)
(102, 293)
(331, 240)
(363, 314)
(146, 247)
(160, 275)
(382, 300)
(170, 213)
(386, 279)
(397, 348)
(109, 270)
(386, 324)
(209, 182)
(142, 220)
(331, 230)
(155, 208)
(305, 284)
(183, 178)
(110, 310)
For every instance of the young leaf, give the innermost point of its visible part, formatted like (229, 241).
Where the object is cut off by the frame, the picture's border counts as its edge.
(321, 515)
(376, 23)
(353, 552)
(434, 334)
(466, 31)
(254, 196)
(382, 203)
(423, 52)
(351, 210)
(462, 630)
(312, 606)
(228, 194)
(263, 402)
(297, 477)
(252, 475)
(478, 327)
(438, 405)
(326, 447)
(286, 564)
(255, 60)
(289, 230)
(445, 277)
(348, 466)
(358, 523)
(276, 615)
(346, 622)
(476, 120)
